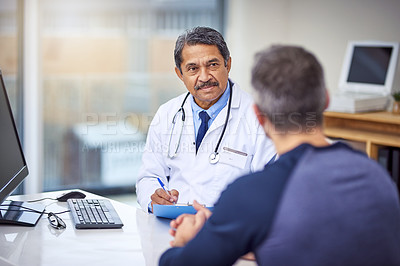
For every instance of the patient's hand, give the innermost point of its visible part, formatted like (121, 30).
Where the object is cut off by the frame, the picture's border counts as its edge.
(186, 226)
(249, 256)
(200, 207)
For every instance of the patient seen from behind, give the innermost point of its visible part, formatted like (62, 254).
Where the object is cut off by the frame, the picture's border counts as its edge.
(318, 204)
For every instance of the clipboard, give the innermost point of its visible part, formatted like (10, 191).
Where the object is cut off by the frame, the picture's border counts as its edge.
(173, 211)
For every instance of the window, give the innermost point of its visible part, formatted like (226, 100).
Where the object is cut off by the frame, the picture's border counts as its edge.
(106, 68)
(9, 52)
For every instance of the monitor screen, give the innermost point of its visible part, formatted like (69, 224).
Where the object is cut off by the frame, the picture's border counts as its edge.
(13, 168)
(370, 64)
(369, 67)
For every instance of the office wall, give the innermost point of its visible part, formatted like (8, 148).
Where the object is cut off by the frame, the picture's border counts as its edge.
(322, 26)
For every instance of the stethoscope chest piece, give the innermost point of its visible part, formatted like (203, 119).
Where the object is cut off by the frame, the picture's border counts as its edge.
(214, 158)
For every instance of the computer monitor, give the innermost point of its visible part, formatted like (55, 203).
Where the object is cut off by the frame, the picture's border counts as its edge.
(13, 169)
(369, 67)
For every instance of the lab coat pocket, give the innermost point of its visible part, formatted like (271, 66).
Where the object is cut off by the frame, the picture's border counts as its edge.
(233, 157)
(232, 164)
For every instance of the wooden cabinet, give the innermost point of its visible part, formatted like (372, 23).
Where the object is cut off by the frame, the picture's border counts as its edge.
(375, 129)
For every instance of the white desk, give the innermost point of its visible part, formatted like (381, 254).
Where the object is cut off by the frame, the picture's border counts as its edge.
(141, 240)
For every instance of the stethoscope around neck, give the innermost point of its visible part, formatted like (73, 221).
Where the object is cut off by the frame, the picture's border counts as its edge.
(214, 156)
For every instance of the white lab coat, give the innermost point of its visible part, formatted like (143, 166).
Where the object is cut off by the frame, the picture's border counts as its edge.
(193, 175)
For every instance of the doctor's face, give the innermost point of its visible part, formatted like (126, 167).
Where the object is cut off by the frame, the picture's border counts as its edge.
(204, 73)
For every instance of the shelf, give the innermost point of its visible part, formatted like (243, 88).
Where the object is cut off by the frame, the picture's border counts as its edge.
(362, 136)
(378, 117)
(374, 129)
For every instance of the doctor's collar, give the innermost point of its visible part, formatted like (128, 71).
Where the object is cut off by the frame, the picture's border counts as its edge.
(214, 110)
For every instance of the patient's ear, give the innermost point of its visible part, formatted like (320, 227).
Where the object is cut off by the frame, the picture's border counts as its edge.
(260, 116)
(326, 99)
(263, 120)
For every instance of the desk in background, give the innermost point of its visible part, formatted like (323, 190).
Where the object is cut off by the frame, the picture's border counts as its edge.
(141, 240)
(375, 129)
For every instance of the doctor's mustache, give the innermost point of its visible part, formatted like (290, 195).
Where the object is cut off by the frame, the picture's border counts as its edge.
(206, 84)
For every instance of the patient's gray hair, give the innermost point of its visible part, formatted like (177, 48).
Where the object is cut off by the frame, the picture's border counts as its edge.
(288, 83)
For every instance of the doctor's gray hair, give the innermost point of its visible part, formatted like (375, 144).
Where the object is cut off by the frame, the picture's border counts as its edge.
(289, 87)
(200, 35)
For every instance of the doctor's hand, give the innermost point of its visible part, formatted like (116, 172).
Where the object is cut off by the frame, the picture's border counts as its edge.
(160, 196)
(186, 226)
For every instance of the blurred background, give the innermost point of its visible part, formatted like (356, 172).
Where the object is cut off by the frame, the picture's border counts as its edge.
(86, 77)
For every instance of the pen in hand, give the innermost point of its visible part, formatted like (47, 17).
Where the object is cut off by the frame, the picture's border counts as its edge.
(163, 187)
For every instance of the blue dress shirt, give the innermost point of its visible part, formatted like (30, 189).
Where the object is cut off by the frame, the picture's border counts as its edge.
(212, 112)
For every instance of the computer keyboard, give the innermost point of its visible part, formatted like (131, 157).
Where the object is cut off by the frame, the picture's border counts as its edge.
(93, 213)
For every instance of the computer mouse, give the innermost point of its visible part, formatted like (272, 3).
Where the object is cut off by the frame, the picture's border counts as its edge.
(71, 195)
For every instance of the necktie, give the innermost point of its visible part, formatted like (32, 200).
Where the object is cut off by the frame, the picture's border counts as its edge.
(203, 128)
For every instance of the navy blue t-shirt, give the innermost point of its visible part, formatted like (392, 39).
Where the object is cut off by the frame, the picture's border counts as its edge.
(243, 216)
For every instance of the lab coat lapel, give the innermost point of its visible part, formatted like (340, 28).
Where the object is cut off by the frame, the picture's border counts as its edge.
(220, 119)
(188, 129)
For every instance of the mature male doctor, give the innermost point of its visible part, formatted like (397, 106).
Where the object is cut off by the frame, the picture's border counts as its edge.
(201, 141)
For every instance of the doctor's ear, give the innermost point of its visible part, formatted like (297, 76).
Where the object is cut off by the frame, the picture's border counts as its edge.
(229, 64)
(178, 73)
